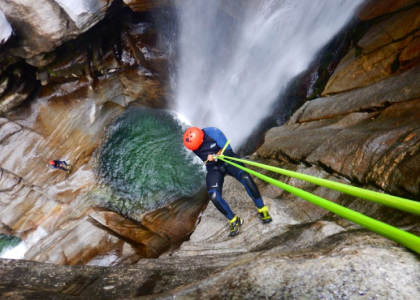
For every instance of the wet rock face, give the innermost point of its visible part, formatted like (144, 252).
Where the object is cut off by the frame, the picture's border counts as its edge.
(52, 210)
(375, 8)
(277, 276)
(98, 236)
(369, 129)
(45, 24)
(390, 46)
(127, 50)
(372, 138)
(365, 133)
(58, 110)
(304, 252)
(16, 87)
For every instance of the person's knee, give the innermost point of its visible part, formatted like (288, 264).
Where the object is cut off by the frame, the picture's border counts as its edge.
(250, 185)
(246, 179)
(216, 198)
(244, 176)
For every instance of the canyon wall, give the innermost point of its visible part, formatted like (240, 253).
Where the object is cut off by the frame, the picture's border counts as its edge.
(362, 130)
(57, 95)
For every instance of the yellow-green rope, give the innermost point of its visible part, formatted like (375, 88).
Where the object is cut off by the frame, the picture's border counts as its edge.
(385, 199)
(407, 239)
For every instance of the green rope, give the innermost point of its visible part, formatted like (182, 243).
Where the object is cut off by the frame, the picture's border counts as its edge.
(385, 199)
(407, 239)
(224, 148)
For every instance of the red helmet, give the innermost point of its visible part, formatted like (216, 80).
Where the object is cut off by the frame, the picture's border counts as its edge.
(193, 138)
(52, 162)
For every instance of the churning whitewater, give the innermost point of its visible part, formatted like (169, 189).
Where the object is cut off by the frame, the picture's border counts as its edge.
(233, 67)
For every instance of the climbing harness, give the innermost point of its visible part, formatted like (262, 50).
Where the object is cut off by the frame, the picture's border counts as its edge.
(407, 239)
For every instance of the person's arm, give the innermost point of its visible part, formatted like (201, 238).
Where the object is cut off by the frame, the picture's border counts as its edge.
(217, 135)
(221, 140)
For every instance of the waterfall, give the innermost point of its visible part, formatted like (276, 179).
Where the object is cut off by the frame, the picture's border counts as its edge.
(236, 57)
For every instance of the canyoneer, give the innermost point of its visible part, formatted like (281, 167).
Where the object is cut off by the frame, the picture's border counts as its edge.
(208, 142)
(60, 164)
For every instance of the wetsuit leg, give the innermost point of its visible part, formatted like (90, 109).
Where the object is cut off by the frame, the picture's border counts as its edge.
(249, 184)
(214, 180)
(59, 166)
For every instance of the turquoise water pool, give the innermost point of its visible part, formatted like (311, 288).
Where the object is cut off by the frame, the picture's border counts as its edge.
(144, 163)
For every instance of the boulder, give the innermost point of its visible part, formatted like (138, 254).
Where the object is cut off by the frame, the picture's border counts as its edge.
(291, 276)
(98, 236)
(375, 8)
(16, 88)
(378, 53)
(44, 25)
(369, 148)
(396, 89)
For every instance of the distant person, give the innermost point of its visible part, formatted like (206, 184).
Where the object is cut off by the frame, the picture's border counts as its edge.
(60, 164)
(206, 143)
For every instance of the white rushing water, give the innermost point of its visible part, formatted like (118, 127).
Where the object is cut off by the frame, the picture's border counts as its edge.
(231, 70)
(18, 251)
(15, 252)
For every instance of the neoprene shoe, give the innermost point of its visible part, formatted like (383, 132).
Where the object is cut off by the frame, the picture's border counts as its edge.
(265, 216)
(235, 225)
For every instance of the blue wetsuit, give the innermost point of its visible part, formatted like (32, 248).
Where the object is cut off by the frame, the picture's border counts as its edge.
(214, 140)
(58, 164)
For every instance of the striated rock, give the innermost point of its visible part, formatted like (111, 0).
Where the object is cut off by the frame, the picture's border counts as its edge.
(100, 236)
(81, 241)
(16, 88)
(45, 28)
(91, 282)
(85, 13)
(6, 62)
(45, 198)
(375, 8)
(378, 53)
(42, 60)
(145, 5)
(298, 275)
(211, 236)
(43, 25)
(399, 88)
(283, 277)
(86, 84)
(368, 136)
(410, 53)
(370, 148)
(35, 198)
(8, 129)
(121, 63)
(314, 257)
